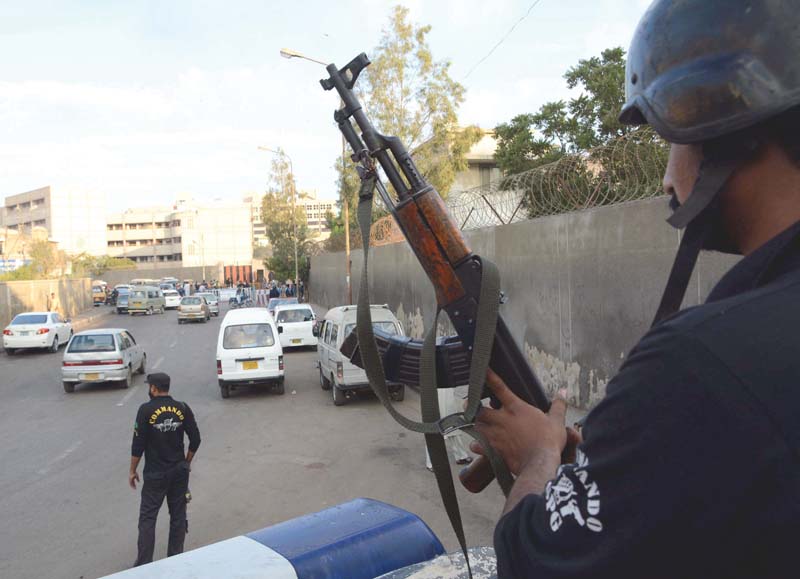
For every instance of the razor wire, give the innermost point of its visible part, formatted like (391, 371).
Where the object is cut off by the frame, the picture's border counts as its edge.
(627, 169)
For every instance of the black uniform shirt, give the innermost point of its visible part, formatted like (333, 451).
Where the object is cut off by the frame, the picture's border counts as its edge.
(690, 467)
(158, 433)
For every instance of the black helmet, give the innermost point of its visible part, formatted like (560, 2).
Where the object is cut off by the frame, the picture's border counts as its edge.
(700, 69)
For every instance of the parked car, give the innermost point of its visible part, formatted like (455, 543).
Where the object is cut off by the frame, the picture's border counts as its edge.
(146, 299)
(99, 296)
(248, 351)
(193, 308)
(336, 373)
(123, 296)
(212, 301)
(295, 325)
(36, 330)
(172, 299)
(274, 302)
(102, 355)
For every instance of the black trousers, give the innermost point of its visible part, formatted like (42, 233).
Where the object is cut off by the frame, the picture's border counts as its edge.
(173, 485)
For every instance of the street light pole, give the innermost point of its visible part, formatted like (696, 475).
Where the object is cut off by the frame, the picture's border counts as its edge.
(288, 53)
(282, 153)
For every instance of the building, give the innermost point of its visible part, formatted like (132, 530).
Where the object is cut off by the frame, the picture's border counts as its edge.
(73, 219)
(316, 214)
(15, 247)
(481, 166)
(257, 222)
(195, 234)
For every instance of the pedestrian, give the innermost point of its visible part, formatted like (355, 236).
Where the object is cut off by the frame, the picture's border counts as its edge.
(273, 291)
(689, 466)
(158, 434)
(302, 290)
(53, 303)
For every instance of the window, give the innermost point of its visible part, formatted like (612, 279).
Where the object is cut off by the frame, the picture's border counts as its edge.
(248, 336)
(294, 316)
(93, 343)
(334, 335)
(386, 327)
(29, 319)
(56, 319)
(127, 335)
(191, 301)
(152, 294)
(39, 223)
(327, 336)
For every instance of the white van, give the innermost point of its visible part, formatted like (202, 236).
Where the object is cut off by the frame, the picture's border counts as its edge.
(249, 351)
(296, 325)
(336, 373)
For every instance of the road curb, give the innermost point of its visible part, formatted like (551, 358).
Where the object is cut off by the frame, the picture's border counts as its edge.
(81, 323)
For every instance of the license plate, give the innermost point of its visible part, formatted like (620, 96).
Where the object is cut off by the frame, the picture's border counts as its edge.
(296, 341)
(250, 365)
(24, 333)
(92, 376)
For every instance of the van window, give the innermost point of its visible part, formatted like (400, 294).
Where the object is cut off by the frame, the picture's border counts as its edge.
(294, 316)
(327, 336)
(138, 294)
(248, 336)
(387, 327)
(334, 334)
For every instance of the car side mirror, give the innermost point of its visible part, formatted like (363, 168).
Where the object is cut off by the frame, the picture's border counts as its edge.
(68, 321)
(315, 330)
(280, 329)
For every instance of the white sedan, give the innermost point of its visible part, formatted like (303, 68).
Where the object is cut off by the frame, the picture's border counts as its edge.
(36, 330)
(172, 299)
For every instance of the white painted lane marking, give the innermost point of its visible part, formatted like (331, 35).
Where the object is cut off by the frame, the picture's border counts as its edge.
(127, 397)
(72, 448)
(158, 363)
(172, 344)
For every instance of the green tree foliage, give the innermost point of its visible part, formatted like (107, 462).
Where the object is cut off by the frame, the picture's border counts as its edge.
(284, 222)
(583, 154)
(85, 265)
(410, 95)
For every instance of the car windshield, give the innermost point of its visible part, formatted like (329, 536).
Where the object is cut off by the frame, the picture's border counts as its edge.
(248, 336)
(191, 301)
(209, 297)
(280, 301)
(387, 327)
(139, 294)
(92, 343)
(123, 291)
(170, 293)
(98, 290)
(294, 316)
(29, 319)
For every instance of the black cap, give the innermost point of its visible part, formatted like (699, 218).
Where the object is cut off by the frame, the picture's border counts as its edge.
(160, 380)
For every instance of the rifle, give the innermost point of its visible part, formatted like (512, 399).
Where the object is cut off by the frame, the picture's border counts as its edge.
(452, 268)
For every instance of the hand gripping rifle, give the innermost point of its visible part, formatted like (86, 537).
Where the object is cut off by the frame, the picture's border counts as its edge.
(464, 288)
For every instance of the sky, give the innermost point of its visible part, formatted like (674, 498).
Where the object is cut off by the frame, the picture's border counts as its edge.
(145, 100)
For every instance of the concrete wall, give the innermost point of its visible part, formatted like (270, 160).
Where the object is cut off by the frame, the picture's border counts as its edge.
(581, 287)
(74, 295)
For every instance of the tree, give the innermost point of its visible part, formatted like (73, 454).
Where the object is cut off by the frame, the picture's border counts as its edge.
(95, 266)
(411, 96)
(284, 222)
(559, 127)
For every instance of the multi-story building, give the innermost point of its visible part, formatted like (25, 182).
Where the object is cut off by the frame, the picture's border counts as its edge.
(73, 219)
(256, 220)
(195, 234)
(481, 166)
(316, 214)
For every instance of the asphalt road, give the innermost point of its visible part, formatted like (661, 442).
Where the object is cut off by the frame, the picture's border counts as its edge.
(65, 505)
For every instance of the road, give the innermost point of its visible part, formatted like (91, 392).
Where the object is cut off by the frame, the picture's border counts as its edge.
(65, 503)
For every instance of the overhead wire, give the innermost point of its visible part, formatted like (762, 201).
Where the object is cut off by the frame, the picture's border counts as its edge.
(503, 39)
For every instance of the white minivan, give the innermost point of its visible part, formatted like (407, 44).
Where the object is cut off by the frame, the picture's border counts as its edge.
(249, 351)
(336, 373)
(296, 325)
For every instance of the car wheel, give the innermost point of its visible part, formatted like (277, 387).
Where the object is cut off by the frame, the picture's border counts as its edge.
(69, 387)
(180, 321)
(54, 346)
(280, 388)
(339, 399)
(399, 394)
(10, 351)
(161, 311)
(126, 383)
(324, 383)
(150, 311)
(225, 390)
(143, 365)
